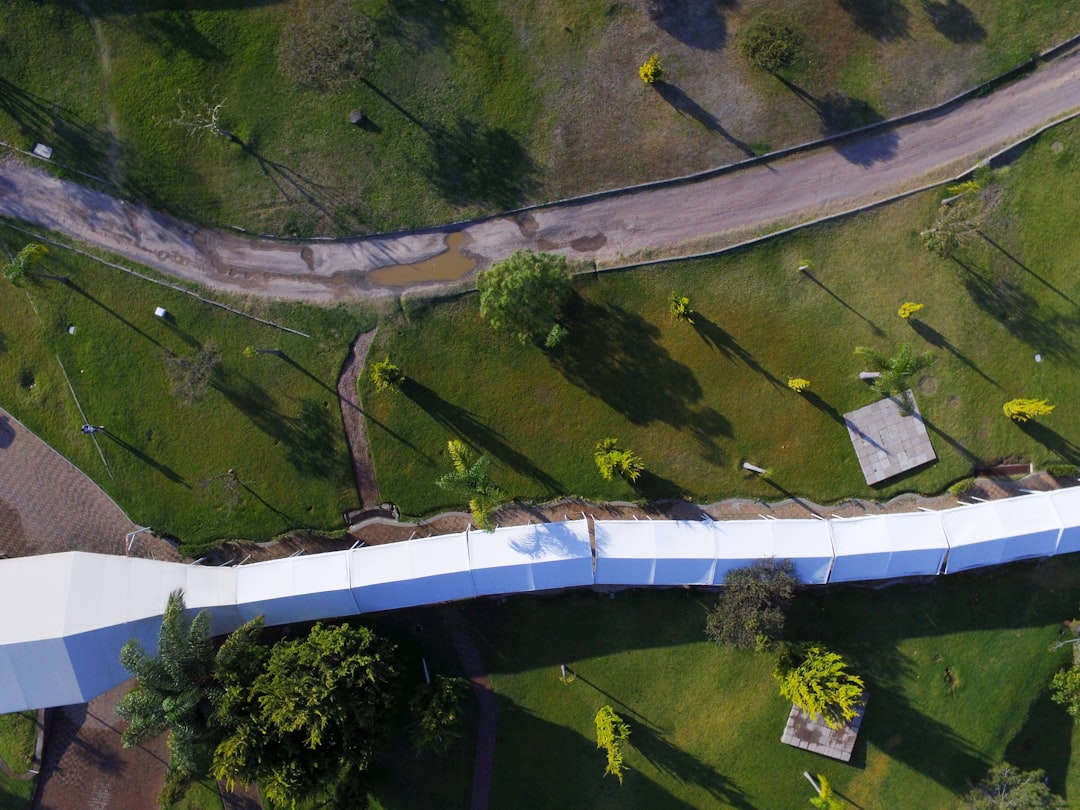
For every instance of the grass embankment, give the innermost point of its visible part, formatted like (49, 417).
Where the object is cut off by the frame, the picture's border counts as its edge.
(274, 420)
(472, 105)
(694, 401)
(18, 733)
(957, 673)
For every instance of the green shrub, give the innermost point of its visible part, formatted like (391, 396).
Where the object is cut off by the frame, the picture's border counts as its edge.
(771, 43)
(962, 486)
(1061, 470)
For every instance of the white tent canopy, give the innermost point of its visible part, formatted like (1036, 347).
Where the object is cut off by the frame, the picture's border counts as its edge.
(296, 589)
(1066, 503)
(1000, 531)
(416, 572)
(69, 614)
(805, 542)
(655, 552)
(888, 546)
(534, 557)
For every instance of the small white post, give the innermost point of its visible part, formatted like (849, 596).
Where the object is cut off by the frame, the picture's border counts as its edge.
(427, 675)
(812, 781)
(752, 467)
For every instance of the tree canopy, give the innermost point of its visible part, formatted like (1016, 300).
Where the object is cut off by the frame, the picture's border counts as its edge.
(524, 294)
(471, 478)
(313, 718)
(817, 681)
(771, 42)
(26, 258)
(1009, 788)
(752, 609)
(178, 689)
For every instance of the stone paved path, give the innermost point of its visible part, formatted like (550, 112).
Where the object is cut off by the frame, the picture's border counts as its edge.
(86, 767)
(47, 504)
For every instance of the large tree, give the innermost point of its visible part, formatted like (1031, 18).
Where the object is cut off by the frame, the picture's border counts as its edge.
(177, 689)
(752, 609)
(817, 681)
(523, 295)
(1009, 788)
(314, 717)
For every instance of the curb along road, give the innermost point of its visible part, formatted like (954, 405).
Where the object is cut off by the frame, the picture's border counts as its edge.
(819, 181)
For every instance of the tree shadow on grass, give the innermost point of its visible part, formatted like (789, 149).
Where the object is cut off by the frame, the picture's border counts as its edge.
(935, 338)
(424, 26)
(1044, 741)
(652, 487)
(685, 105)
(164, 469)
(839, 113)
(686, 768)
(1024, 267)
(884, 20)
(1044, 329)
(309, 438)
(474, 164)
(74, 286)
(75, 141)
(975, 460)
(824, 407)
(697, 23)
(462, 423)
(873, 326)
(1064, 448)
(299, 189)
(543, 758)
(718, 338)
(616, 356)
(954, 21)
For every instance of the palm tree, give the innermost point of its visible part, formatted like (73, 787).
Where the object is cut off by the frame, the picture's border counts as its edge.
(896, 372)
(471, 478)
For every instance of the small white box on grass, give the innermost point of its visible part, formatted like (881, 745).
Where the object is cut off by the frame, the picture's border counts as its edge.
(160, 312)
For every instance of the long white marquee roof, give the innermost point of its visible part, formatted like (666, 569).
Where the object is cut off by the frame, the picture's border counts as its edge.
(69, 614)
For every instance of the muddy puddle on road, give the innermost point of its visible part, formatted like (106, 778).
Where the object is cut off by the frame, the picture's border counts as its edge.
(450, 265)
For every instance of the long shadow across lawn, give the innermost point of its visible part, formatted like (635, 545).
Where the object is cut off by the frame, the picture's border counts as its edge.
(573, 775)
(935, 338)
(718, 338)
(463, 423)
(1044, 741)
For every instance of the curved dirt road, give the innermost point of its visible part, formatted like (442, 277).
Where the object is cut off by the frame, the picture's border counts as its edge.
(829, 179)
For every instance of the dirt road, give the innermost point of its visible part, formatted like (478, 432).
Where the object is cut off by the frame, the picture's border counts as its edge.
(662, 219)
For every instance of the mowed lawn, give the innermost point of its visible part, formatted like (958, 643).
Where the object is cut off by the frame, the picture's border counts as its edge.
(18, 733)
(274, 421)
(472, 106)
(695, 401)
(957, 673)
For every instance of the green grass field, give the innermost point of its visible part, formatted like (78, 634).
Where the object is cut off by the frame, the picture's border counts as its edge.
(694, 401)
(706, 721)
(472, 105)
(18, 732)
(275, 421)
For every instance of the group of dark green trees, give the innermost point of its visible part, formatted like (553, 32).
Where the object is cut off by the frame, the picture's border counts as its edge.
(302, 718)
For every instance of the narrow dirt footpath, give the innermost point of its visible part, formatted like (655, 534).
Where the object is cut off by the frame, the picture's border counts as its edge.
(662, 219)
(353, 417)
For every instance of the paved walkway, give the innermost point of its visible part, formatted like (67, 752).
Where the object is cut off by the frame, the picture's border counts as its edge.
(665, 219)
(47, 504)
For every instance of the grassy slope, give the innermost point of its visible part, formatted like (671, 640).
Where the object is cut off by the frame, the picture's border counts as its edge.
(278, 424)
(706, 721)
(476, 105)
(17, 735)
(695, 401)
